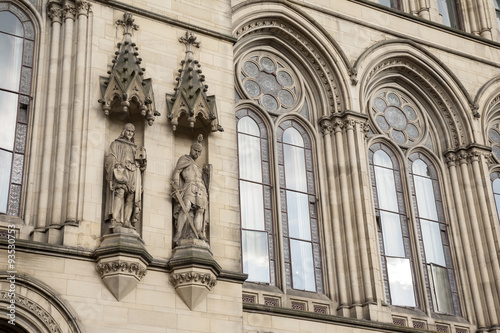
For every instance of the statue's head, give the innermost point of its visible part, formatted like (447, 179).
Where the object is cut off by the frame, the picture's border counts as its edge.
(196, 147)
(128, 132)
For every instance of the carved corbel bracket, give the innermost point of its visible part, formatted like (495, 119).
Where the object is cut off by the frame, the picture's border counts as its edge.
(193, 271)
(190, 106)
(126, 93)
(121, 262)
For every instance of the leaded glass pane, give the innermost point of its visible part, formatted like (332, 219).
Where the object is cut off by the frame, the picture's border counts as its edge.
(391, 229)
(401, 282)
(269, 103)
(295, 168)
(293, 137)
(11, 60)
(250, 162)
(17, 168)
(442, 289)
(5, 167)
(302, 265)
(21, 137)
(433, 244)
(298, 215)
(255, 256)
(386, 190)
(252, 206)
(252, 88)
(251, 68)
(424, 191)
(10, 24)
(8, 115)
(381, 158)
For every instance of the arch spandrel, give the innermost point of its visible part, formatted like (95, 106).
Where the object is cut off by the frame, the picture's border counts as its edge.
(309, 45)
(409, 67)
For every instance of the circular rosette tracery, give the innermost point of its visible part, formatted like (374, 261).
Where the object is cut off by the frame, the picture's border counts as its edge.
(397, 116)
(269, 81)
(494, 139)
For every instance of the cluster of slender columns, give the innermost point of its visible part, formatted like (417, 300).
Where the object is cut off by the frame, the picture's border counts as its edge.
(344, 137)
(472, 195)
(62, 138)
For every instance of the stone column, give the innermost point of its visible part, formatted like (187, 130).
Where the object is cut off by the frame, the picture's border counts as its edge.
(83, 8)
(346, 210)
(62, 132)
(55, 14)
(459, 205)
(475, 156)
(484, 21)
(326, 128)
(424, 9)
(350, 125)
(451, 159)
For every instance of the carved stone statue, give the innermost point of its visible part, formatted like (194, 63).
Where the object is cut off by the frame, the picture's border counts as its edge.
(124, 166)
(190, 193)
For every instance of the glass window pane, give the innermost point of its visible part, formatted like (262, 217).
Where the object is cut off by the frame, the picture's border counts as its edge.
(293, 137)
(496, 186)
(386, 189)
(381, 158)
(389, 3)
(252, 206)
(426, 202)
(497, 4)
(250, 161)
(497, 201)
(5, 165)
(391, 229)
(8, 115)
(433, 245)
(400, 281)
(295, 168)
(302, 266)
(447, 10)
(442, 289)
(298, 215)
(249, 126)
(255, 256)
(10, 24)
(11, 58)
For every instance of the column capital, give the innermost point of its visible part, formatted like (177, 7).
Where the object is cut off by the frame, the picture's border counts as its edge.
(83, 7)
(451, 159)
(69, 11)
(326, 127)
(55, 12)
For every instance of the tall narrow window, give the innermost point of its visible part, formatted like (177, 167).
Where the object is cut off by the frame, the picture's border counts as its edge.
(298, 209)
(255, 199)
(394, 238)
(448, 9)
(391, 3)
(497, 12)
(438, 267)
(17, 44)
(495, 178)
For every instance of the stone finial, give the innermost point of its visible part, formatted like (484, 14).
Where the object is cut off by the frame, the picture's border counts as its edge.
(190, 106)
(126, 92)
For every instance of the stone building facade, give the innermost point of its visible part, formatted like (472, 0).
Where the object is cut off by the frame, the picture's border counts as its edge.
(346, 180)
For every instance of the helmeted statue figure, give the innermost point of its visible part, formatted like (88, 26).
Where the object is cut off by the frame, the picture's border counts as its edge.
(190, 193)
(124, 165)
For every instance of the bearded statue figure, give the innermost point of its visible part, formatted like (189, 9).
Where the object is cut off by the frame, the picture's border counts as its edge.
(190, 192)
(124, 166)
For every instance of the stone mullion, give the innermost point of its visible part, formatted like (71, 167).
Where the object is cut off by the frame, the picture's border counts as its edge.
(475, 156)
(62, 133)
(459, 206)
(350, 125)
(346, 210)
(55, 14)
(335, 215)
(83, 8)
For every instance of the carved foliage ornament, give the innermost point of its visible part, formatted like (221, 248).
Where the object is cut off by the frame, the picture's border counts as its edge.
(193, 277)
(126, 93)
(119, 266)
(190, 106)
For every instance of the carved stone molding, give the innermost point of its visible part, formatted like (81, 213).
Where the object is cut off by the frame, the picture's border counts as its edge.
(55, 12)
(190, 106)
(121, 262)
(314, 56)
(180, 279)
(126, 93)
(34, 308)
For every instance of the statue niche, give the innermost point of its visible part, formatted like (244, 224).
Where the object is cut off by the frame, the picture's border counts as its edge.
(190, 184)
(124, 167)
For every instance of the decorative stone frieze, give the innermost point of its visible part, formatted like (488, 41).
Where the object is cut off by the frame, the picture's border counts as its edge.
(190, 106)
(126, 93)
(121, 261)
(193, 271)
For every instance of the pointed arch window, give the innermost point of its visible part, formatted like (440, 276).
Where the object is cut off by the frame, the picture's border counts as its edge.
(394, 238)
(17, 44)
(433, 237)
(299, 244)
(449, 10)
(495, 179)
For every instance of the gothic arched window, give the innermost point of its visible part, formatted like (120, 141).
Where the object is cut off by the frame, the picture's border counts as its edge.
(17, 40)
